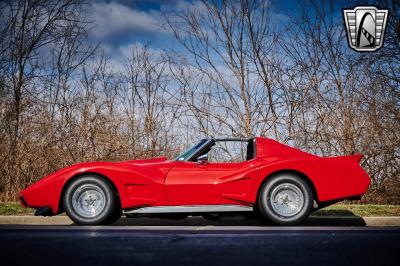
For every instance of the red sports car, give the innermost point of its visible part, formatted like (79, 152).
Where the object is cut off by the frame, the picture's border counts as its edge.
(215, 176)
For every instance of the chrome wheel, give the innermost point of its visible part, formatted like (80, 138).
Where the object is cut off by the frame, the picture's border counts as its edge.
(88, 200)
(287, 199)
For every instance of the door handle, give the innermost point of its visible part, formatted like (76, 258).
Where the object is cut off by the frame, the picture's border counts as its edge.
(203, 162)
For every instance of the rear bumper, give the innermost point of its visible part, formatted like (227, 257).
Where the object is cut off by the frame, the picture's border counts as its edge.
(354, 198)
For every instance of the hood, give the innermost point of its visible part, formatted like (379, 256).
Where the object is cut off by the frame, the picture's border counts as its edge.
(159, 163)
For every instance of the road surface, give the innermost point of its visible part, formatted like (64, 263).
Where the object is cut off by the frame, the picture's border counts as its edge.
(199, 245)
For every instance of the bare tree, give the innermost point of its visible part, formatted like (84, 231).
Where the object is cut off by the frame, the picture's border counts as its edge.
(29, 29)
(244, 70)
(228, 54)
(349, 105)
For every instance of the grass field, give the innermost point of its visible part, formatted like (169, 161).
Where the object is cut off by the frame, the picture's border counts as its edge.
(359, 210)
(13, 208)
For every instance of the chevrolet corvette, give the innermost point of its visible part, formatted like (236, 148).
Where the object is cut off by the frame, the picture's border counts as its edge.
(260, 175)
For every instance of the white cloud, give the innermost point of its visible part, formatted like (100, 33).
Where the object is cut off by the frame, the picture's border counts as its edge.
(117, 57)
(114, 19)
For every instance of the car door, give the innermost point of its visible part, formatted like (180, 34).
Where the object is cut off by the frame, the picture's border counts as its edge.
(193, 183)
(188, 184)
(225, 179)
(233, 180)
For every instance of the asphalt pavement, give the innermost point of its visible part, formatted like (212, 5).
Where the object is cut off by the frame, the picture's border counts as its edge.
(199, 245)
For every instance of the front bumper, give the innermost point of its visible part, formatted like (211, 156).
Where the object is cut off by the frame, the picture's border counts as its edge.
(23, 202)
(41, 211)
(44, 211)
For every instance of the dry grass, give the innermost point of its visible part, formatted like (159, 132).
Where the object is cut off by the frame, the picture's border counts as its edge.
(14, 208)
(359, 210)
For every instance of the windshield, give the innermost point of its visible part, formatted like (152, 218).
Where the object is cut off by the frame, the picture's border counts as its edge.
(188, 153)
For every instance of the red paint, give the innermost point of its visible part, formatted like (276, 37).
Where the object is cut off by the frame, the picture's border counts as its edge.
(159, 182)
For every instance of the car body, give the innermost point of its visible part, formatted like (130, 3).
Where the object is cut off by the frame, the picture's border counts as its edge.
(192, 184)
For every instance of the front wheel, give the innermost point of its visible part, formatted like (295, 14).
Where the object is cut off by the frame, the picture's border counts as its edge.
(90, 200)
(286, 199)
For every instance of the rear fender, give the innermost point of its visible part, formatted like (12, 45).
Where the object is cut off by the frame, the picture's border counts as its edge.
(332, 178)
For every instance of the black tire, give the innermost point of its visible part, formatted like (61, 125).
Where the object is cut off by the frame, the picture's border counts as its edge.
(108, 212)
(281, 182)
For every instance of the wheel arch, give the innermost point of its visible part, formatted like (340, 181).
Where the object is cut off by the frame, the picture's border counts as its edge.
(288, 171)
(77, 176)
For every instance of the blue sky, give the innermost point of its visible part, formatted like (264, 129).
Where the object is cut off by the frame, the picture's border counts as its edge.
(120, 24)
(123, 22)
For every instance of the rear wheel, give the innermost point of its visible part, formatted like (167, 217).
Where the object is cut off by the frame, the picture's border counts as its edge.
(90, 200)
(286, 199)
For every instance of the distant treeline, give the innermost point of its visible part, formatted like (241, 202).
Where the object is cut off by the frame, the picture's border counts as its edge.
(240, 70)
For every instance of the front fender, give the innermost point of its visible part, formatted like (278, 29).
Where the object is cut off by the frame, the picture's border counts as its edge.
(135, 184)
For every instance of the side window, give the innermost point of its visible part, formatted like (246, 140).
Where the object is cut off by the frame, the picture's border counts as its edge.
(228, 152)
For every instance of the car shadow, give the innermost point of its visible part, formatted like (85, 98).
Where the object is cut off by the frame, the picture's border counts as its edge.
(335, 218)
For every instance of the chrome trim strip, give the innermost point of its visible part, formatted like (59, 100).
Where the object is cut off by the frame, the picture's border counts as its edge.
(190, 209)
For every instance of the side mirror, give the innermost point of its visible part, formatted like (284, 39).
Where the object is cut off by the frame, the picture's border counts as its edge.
(203, 159)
